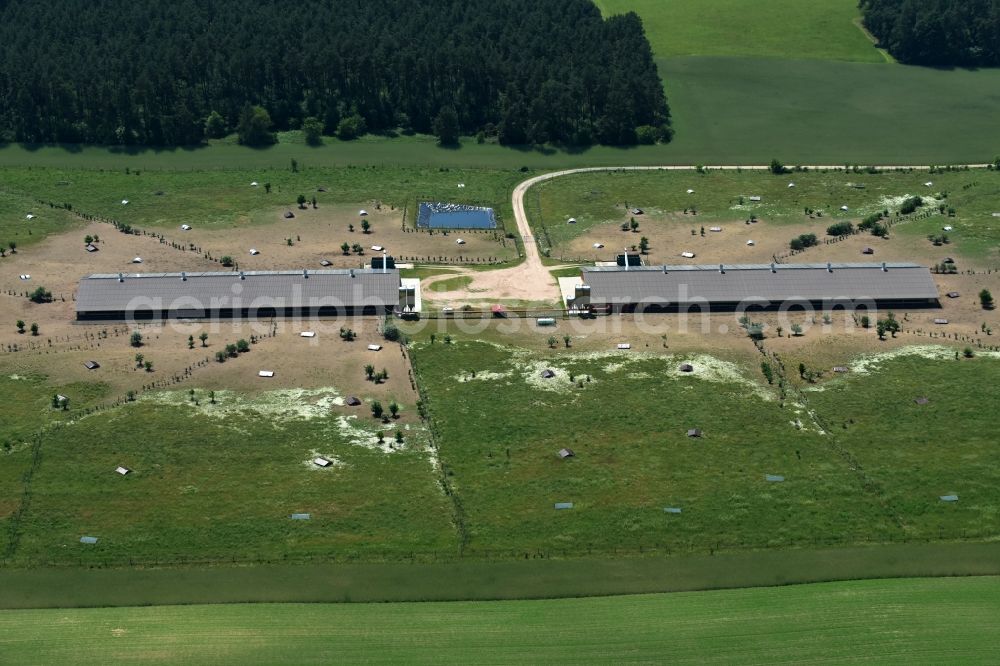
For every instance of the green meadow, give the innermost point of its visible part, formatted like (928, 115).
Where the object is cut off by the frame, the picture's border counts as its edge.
(223, 485)
(911, 621)
(15, 206)
(626, 417)
(820, 29)
(226, 199)
(918, 453)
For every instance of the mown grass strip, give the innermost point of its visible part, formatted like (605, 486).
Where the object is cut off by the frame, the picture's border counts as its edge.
(911, 621)
(482, 580)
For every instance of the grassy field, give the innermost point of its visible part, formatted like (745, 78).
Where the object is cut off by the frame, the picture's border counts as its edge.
(923, 451)
(633, 458)
(821, 29)
(14, 225)
(415, 151)
(896, 621)
(451, 284)
(498, 431)
(597, 201)
(209, 492)
(220, 199)
(27, 410)
(474, 579)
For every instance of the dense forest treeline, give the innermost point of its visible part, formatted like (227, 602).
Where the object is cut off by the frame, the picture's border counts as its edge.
(171, 73)
(960, 33)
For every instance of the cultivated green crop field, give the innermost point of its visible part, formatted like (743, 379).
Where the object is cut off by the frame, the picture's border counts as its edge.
(912, 621)
(821, 29)
(596, 201)
(742, 110)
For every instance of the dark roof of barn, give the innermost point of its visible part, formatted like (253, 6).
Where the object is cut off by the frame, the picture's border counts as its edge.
(743, 282)
(279, 289)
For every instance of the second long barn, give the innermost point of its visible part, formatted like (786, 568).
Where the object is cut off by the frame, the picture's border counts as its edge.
(605, 289)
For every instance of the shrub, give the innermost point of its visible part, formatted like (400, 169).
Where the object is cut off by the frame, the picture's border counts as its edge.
(986, 299)
(312, 129)
(870, 222)
(910, 205)
(803, 241)
(391, 333)
(215, 126)
(254, 127)
(226, 261)
(777, 168)
(41, 295)
(765, 367)
(351, 127)
(136, 339)
(242, 346)
(840, 229)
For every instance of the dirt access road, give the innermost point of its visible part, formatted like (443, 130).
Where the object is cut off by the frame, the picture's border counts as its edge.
(531, 280)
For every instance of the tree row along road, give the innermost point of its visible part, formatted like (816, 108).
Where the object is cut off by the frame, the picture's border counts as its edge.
(531, 280)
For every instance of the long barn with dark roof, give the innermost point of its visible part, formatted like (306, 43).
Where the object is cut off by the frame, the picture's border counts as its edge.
(768, 286)
(243, 295)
